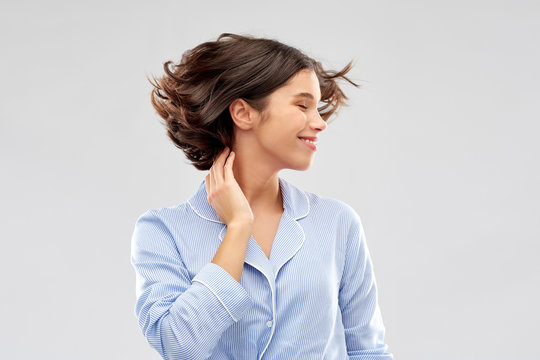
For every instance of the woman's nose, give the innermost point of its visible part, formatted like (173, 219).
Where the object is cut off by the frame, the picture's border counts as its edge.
(317, 122)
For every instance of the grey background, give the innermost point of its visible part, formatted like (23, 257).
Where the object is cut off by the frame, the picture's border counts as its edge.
(437, 152)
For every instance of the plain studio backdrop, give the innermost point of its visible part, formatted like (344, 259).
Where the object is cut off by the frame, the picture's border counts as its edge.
(437, 152)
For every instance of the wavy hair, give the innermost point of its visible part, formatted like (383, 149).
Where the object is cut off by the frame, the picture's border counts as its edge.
(193, 96)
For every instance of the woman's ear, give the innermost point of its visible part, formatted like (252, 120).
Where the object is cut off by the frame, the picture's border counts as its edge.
(242, 114)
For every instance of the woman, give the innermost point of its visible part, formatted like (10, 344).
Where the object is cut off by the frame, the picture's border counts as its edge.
(252, 267)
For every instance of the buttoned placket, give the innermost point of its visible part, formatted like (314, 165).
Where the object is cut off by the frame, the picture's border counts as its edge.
(256, 258)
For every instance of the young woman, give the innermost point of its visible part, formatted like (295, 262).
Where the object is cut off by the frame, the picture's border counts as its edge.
(252, 267)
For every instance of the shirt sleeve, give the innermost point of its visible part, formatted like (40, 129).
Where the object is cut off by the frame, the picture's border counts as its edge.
(364, 328)
(181, 318)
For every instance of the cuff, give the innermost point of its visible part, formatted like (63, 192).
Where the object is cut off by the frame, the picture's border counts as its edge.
(234, 298)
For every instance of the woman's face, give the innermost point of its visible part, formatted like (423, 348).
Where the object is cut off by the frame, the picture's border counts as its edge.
(291, 113)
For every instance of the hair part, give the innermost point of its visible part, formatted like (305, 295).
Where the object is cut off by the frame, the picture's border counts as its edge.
(193, 96)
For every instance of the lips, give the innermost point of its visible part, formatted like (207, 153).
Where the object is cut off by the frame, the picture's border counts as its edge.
(312, 138)
(310, 144)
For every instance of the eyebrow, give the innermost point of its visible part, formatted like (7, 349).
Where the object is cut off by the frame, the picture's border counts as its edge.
(306, 95)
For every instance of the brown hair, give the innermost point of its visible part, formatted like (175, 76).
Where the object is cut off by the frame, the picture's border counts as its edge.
(193, 96)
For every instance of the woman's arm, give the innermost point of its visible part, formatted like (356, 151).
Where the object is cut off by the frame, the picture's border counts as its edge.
(364, 329)
(181, 318)
(231, 206)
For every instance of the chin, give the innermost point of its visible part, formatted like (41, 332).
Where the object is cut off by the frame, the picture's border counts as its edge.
(302, 166)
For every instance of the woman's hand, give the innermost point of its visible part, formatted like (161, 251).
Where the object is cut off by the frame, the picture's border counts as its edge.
(224, 193)
(232, 207)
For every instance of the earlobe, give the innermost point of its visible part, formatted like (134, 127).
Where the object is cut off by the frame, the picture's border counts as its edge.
(241, 114)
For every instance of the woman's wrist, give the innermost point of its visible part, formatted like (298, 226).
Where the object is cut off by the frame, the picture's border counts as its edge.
(241, 223)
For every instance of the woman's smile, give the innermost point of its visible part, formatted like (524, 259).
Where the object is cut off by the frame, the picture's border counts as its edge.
(311, 144)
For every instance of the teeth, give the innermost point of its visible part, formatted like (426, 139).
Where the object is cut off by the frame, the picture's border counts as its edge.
(307, 140)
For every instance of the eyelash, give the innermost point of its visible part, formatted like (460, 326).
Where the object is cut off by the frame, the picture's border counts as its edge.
(303, 107)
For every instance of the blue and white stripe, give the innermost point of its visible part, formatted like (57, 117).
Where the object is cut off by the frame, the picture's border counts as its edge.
(314, 298)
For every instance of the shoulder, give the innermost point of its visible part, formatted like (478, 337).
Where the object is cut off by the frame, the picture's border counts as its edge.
(320, 204)
(322, 212)
(334, 218)
(166, 214)
(167, 219)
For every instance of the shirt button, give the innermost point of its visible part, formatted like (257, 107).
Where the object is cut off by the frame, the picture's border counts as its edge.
(269, 323)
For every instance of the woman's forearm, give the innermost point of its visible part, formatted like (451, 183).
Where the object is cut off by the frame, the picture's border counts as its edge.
(232, 251)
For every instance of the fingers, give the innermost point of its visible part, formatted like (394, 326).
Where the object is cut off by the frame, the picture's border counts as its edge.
(216, 174)
(228, 168)
(217, 167)
(207, 183)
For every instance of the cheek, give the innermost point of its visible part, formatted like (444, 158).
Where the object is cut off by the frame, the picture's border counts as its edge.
(284, 125)
(295, 117)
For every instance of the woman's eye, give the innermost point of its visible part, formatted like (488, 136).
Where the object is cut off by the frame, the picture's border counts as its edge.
(303, 107)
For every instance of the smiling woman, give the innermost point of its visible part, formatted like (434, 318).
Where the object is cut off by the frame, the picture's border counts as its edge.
(250, 266)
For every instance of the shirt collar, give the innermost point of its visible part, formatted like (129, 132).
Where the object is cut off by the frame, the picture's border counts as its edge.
(295, 202)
